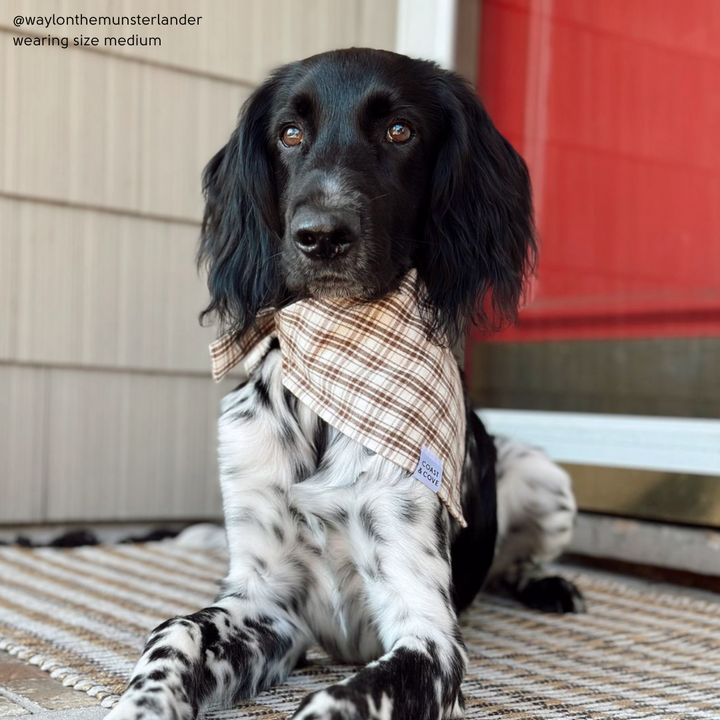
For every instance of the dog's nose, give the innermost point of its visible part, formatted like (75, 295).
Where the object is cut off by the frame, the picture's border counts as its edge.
(325, 234)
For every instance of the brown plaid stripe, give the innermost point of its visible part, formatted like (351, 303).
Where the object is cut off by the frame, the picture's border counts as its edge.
(226, 352)
(368, 370)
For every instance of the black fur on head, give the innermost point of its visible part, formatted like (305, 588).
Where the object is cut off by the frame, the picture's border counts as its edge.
(351, 167)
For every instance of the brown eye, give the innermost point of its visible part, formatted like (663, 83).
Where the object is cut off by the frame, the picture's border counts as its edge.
(291, 136)
(399, 132)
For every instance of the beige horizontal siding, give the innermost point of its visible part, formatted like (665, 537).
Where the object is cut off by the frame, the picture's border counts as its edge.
(107, 410)
(236, 40)
(23, 393)
(9, 260)
(131, 446)
(94, 289)
(90, 129)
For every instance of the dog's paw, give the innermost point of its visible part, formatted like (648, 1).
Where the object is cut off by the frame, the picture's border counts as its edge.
(553, 594)
(341, 702)
(149, 706)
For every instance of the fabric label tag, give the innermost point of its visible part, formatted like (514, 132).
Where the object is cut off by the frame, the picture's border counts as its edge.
(429, 470)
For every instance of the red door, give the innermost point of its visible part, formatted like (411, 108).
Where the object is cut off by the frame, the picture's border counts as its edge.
(615, 104)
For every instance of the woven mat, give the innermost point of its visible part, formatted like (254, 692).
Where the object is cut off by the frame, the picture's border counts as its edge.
(83, 614)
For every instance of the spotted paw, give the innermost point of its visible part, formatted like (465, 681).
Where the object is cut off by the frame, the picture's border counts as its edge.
(553, 594)
(149, 706)
(342, 702)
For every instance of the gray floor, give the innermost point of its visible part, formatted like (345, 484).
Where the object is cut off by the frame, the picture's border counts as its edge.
(25, 690)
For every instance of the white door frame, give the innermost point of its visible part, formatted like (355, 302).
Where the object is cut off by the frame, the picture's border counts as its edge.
(668, 444)
(426, 29)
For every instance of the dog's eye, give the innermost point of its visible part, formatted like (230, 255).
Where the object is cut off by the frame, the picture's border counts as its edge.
(291, 136)
(399, 132)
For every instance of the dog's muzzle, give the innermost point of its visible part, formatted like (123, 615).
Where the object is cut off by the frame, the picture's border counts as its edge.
(324, 234)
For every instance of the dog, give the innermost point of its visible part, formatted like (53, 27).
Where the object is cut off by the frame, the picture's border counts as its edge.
(346, 171)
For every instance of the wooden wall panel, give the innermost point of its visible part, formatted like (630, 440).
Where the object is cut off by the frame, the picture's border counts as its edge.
(131, 446)
(9, 257)
(239, 40)
(22, 441)
(100, 290)
(184, 122)
(105, 132)
(377, 24)
(6, 137)
(107, 410)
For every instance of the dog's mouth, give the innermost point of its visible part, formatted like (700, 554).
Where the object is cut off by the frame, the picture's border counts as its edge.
(334, 278)
(336, 286)
(353, 281)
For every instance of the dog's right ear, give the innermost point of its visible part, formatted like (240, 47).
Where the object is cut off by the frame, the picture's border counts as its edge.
(480, 246)
(241, 224)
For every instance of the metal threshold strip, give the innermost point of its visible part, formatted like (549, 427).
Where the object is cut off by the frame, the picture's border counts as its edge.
(656, 468)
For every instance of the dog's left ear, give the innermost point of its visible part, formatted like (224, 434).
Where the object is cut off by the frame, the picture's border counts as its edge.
(479, 246)
(240, 230)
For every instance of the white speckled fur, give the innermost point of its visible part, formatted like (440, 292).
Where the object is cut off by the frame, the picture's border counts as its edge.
(332, 543)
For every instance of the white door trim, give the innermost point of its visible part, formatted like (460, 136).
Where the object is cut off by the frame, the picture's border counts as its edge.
(426, 29)
(669, 444)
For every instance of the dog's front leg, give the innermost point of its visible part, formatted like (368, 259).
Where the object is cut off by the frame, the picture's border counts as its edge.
(254, 633)
(249, 639)
(230, 650)
(397, 533)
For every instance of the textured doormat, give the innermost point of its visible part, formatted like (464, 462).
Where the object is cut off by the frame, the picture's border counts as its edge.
(640, 653)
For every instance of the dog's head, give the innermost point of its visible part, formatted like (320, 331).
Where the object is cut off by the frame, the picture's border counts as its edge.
(350, 167)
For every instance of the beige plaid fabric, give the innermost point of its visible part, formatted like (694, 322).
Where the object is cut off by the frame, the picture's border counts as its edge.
(369, 371)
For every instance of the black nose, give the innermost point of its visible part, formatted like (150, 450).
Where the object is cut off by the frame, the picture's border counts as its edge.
(324, 234)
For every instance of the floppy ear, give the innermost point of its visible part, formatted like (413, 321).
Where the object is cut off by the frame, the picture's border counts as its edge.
(241, 225)
(479, 247)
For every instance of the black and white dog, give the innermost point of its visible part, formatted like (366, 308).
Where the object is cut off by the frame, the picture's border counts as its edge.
(346, 170)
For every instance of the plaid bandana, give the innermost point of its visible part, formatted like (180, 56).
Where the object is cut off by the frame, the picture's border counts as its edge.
(369, 371)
